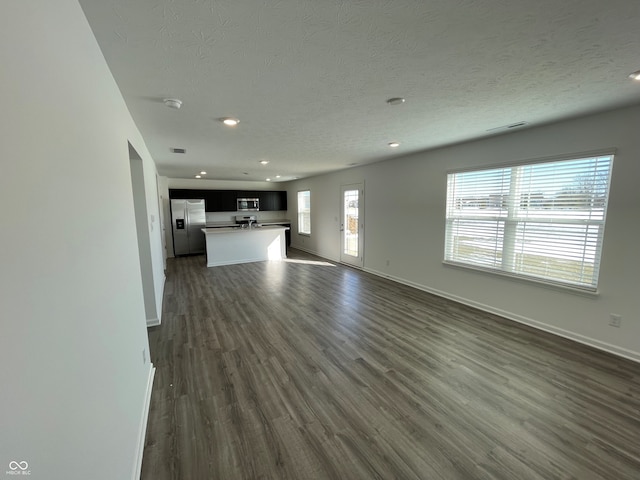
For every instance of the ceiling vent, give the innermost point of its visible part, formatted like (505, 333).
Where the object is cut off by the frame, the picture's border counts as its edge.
(179, 150)
(507, 127)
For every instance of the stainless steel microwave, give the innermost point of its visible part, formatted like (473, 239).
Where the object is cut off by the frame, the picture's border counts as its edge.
(248, 204)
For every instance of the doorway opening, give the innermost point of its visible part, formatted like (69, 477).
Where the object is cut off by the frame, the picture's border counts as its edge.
(352, 224)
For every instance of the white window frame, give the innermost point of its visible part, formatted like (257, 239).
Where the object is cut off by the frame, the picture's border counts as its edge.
(304, 210)
(493, 225)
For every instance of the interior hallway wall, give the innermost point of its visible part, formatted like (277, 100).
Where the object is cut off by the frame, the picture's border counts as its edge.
(74, 355)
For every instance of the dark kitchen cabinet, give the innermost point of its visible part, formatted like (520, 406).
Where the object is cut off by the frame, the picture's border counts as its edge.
(266, 205)
(273, 201)
(226, 200)
(221, 201)
(214, 200)
(270, 201)
(279, 201)
(184, 193)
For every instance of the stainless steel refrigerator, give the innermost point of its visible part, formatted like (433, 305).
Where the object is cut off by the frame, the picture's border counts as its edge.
(188, 218)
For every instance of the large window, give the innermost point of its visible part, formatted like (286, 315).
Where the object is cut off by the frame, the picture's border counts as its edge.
(542, 220)
(304, 212)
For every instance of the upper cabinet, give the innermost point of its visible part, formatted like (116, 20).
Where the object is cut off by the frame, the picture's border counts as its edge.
(278, 201)
(181, 193)
(214, 200)
(265, 201)
(272, 201)
(221, 201)
(226, 200)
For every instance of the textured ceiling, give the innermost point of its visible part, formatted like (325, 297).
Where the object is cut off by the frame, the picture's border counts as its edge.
(309, 79)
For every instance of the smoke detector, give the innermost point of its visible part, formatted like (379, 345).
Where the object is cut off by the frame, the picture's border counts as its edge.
(173, 103)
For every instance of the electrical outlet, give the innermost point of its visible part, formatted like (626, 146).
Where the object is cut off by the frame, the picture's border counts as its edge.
(144, 356)
(387, 263)
(615, 320)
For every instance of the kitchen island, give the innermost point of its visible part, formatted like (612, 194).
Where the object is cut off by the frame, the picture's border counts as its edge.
(227, 246)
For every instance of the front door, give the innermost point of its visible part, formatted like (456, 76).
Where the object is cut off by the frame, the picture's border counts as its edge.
(352, 224)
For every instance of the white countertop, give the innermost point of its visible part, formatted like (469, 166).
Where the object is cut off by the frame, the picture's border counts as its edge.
(270, 221)
(223, 230)
(231, 223)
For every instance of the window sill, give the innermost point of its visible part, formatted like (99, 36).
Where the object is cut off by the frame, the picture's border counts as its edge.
(560, 287)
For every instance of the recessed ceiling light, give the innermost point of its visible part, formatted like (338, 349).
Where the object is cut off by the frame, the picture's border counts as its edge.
(264, 162)
(173, 103)
(635, 75)
(278, 176)
(198, 176)
(394, 144)
(268, 179)
(229, 121)
(395, 101)
(203, 173)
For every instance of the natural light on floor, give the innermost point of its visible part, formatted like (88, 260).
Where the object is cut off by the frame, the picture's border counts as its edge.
(308, 262)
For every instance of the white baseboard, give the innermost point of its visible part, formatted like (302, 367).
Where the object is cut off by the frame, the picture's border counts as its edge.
(154, 322)
(576, 337)
(313, 252)
(142, 432)
(164, 282)
(237, 262)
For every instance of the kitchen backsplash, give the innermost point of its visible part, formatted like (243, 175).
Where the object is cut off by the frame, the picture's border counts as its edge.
(231, 216)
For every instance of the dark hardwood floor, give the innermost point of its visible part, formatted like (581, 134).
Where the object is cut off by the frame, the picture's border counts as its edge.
(308, 370)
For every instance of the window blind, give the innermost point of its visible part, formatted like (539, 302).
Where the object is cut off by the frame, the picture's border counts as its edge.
(543, 220)
(304, 212)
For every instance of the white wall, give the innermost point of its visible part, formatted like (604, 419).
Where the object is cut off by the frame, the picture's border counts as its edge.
(74, 358)
(155, 231)
(404, 224)
(205, 184)
(154, 222)
(149, 234)
(165, 217)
